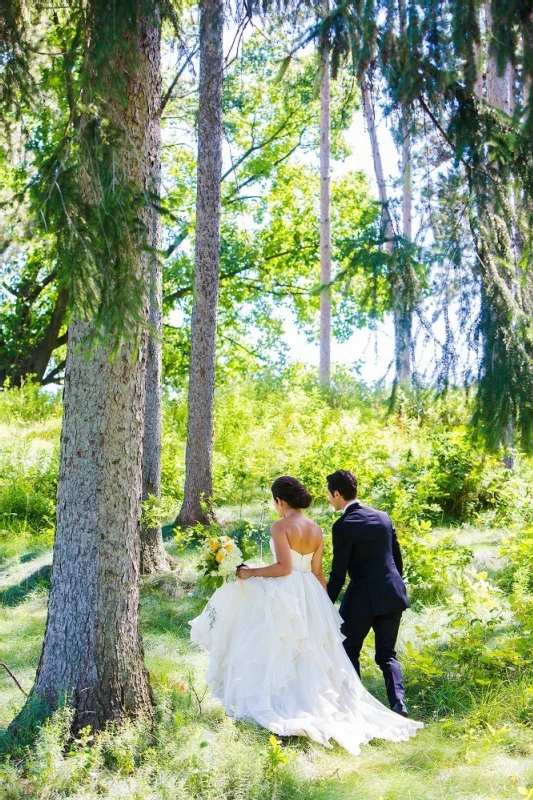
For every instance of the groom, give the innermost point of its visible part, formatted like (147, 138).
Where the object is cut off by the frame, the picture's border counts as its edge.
(365, 546)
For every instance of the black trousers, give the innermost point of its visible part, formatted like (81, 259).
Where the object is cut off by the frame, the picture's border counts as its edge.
(385, 627)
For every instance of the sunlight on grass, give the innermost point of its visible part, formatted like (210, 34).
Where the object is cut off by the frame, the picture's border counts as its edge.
(476, 745)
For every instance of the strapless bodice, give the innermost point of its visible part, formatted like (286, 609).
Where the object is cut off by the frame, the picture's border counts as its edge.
(300, 563)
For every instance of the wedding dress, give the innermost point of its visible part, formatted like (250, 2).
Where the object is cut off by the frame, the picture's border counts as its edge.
(276, 657)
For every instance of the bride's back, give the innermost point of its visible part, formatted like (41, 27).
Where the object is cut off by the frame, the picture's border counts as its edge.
(303, 535)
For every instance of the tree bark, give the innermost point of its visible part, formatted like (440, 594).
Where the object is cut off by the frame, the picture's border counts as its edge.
(92, 653)
(500, 94)
(499, 88)
(325, 222)
(198, 491)
(368, 113)
(154, 557)
(403, 312)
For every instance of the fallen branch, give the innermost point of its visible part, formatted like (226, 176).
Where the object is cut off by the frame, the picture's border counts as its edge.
(10, 673)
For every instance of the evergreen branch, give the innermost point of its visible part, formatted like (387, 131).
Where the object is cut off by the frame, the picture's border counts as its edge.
(441, 130)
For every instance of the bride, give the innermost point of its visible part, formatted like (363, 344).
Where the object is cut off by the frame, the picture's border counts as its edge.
(275, 646)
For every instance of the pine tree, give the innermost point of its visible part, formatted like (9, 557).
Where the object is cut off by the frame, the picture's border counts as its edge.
(92, 653)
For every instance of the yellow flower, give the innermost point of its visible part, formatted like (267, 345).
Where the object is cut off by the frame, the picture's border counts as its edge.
(229, 546)
(214, 545)
(219, 556)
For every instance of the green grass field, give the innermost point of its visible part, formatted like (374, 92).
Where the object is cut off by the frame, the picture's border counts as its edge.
(480, 749)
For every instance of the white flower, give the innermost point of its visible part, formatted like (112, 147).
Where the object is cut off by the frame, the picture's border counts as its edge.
(230, 562)
(227, 559)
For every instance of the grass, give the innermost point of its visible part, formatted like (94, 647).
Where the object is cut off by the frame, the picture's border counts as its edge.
(481, 749)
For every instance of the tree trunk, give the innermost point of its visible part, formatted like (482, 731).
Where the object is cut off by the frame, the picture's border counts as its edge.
(402, 314)
(368, 113)
(92, 653)
(154, 557)
(403, 311)
(325, 222)
(196, 505)
(499, 88)
(500, 94)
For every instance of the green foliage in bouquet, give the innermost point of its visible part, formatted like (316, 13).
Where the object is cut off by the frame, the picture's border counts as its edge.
(219, 558)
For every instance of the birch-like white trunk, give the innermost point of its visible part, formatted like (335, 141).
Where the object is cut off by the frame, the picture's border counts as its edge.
(325, 223)
(368, 113)
(403, 312)
(92, 652)
(196, 505)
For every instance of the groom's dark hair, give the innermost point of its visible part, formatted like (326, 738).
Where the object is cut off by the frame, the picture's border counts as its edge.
(344, 482)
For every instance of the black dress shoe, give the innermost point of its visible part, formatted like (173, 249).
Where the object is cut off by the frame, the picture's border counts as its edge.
(400, 708)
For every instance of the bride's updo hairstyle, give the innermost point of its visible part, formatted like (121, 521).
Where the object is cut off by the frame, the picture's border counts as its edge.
(292, 491)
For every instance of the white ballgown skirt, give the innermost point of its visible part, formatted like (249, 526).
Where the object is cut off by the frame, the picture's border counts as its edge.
(276, 657)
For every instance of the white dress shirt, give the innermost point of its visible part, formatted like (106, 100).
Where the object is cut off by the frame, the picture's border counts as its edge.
(349, 503)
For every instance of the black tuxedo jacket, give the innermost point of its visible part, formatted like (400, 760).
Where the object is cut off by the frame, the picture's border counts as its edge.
(366, 547)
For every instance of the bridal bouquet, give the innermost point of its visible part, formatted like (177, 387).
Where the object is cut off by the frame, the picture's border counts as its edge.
(219, 558)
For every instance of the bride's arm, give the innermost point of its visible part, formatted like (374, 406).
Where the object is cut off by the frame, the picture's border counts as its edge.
(316, 565)
(283, 564)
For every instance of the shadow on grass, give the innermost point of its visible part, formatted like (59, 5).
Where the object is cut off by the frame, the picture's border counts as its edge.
(162, 614)
(14, 595)
(31, 554)
(22, 731)
(168, 532)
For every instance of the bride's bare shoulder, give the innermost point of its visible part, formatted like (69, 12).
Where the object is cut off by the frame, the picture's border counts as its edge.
(279, 526)
(315, 527)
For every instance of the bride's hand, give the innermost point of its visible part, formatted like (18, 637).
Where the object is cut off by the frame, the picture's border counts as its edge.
(244, 572)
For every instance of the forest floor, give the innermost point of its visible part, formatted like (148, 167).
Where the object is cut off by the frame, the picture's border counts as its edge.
(450, 758)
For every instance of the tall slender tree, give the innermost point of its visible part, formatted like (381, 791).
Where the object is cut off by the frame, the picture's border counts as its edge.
(403, 303)
(198, 477)
(500, 93)
(325, 217)
(401, 306)
(154, 557)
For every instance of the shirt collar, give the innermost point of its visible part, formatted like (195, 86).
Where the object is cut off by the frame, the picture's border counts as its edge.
(351, 503)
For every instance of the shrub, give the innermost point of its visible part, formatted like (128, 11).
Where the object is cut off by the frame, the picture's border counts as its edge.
(28, 404)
